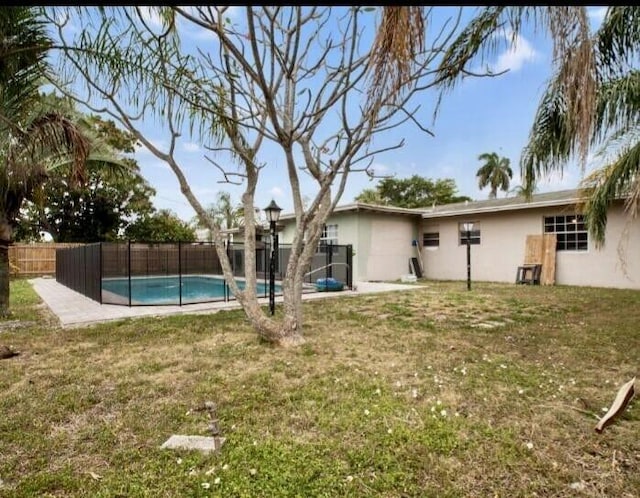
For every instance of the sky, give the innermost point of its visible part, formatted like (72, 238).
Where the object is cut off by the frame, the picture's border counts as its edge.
(480, 115)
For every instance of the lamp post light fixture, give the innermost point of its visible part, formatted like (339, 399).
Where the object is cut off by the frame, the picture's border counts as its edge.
(468, 228)
(272, 212)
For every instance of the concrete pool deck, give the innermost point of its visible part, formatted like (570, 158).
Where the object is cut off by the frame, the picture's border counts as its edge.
(75, 310)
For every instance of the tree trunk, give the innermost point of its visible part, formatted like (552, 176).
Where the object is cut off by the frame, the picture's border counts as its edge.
(4, 279)
(281, 332)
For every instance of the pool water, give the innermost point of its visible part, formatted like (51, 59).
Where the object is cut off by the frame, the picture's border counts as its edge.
(166, 290)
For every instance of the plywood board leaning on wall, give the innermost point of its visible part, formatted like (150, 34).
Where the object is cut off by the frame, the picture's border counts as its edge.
(541, 250)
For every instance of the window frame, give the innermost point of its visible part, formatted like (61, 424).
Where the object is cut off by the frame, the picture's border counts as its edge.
(428, 241)
(571, 232)
(326, 237)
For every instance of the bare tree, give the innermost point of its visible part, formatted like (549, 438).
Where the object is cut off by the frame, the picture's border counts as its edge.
(293, 77)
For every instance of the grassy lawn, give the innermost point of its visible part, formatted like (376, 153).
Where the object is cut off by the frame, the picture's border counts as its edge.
(433, 392)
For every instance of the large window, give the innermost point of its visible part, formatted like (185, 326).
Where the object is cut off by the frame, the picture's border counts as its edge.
(474, 235)
(329, 237)
(570, 231)
(431, 239)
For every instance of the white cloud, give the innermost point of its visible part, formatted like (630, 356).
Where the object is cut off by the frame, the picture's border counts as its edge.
(276, 192)
(154, 164)
(150, 16)
(517, 54)
(557, 181)
(191, 147)
(381, 169)
(64, 19)
(597, 14)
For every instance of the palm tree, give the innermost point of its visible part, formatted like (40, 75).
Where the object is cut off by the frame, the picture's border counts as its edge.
(399, 39)
(614, 130)
(521, 191)
(223, 212)
(592, 102)
(496, 173)
(31, 142)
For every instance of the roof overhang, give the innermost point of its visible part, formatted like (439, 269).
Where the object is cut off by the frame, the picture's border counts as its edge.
(443, 213)
(358, 207)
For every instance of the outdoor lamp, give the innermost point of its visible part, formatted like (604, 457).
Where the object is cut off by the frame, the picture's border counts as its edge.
(468, 228)
(273, 214)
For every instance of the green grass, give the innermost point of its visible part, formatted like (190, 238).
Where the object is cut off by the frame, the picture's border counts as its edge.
(434, 392)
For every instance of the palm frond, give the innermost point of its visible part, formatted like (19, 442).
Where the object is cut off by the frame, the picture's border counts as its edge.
(617, 180)
(550, 143)
(48, 139)
(477, 40)
(23, 62)
(573, 54)
(618, 104)
(618, 39)
(399, 38)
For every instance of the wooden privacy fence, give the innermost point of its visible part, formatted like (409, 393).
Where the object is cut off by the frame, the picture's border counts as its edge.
(35, 259)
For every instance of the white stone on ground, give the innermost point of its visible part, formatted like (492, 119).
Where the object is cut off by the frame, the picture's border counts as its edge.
(206, 444)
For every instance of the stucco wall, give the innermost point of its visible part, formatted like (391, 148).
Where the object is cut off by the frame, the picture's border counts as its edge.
(348, 233)
(604, 267)
(381, 242)
(390, 248)
(502, 250)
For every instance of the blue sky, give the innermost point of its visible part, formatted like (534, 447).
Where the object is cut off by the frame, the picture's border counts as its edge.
(479, 115)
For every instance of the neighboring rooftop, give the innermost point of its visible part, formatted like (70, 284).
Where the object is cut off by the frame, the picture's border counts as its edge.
(361, 206)
(559, 198)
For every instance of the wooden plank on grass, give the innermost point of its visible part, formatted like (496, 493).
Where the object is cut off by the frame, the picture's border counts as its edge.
(619, 404)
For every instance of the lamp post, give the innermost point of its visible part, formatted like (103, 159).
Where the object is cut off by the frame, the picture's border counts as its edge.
(273, 214)
(468, 227)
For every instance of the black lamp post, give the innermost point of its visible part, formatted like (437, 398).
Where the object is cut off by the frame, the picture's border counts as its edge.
(273, 214)
(468, 227)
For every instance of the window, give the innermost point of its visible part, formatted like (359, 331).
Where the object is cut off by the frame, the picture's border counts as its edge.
(570, 231)
(474, 235)
(431, 239)
(329, 237)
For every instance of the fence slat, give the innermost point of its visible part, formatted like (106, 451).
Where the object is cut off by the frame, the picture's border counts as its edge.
(35, 259)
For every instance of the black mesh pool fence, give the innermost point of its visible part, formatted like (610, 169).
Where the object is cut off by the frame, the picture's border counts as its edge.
(175, 273)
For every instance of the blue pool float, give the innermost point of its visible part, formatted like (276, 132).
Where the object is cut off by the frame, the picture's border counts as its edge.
(328, 284)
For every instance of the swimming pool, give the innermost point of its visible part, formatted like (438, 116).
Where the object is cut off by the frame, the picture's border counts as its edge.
(172, 290)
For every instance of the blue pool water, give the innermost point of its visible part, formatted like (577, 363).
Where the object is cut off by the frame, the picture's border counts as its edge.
(166, 290)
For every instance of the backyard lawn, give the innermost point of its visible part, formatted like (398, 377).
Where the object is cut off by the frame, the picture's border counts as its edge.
(432, 392)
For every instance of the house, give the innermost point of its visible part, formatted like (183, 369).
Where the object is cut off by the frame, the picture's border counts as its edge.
(385, 239)
(381, 237)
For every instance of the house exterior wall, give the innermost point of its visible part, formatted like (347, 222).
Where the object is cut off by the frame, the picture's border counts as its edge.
(390, 246)
(381, 242)
(502, 249)
(605, 267)
(349, 232)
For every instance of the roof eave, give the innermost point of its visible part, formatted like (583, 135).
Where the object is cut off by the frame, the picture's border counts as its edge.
(509, 207)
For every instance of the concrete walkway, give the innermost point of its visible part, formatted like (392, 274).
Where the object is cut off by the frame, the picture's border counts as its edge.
(74, 309)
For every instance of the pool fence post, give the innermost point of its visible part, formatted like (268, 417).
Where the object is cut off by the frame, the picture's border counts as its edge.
(227, 250)
(129, 267)
(100, 272)
(180, 272)
(84, 279)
